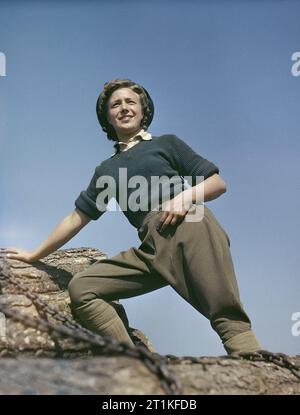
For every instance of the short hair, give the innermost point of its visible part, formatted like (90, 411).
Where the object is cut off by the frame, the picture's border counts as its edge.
(102, 105)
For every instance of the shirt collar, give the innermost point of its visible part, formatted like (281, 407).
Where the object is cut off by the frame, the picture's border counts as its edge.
(141, 135)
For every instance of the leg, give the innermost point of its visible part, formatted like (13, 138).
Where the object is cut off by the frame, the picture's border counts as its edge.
(123, 276)
(201, 271)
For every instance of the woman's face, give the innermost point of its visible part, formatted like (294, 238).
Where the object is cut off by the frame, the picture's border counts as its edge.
(124, 112)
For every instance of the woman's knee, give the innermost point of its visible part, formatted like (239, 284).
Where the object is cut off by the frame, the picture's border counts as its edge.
(78, 291)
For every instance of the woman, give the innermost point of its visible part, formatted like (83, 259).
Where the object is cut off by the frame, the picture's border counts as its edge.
(193, 256)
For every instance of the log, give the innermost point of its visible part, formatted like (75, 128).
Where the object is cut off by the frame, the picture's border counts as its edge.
(71, 368)
(49, 279)
(124, 375)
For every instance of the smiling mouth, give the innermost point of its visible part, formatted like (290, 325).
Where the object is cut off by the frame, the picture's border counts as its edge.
(127, 117)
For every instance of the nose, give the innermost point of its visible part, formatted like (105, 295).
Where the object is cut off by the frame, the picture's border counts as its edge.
(124, 106)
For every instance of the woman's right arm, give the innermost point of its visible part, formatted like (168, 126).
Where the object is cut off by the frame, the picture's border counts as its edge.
(62, 233)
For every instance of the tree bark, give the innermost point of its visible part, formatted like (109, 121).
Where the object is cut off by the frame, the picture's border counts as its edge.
(124, 375)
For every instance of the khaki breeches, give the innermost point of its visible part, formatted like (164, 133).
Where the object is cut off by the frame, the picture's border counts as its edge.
(193, 258)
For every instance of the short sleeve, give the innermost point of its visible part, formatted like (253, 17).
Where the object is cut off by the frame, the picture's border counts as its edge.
(189, 163)
(86, 201)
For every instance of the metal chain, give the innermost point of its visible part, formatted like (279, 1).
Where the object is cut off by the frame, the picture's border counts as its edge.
(155, 362)
(279, 359)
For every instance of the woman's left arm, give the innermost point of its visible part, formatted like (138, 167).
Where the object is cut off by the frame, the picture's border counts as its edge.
(176, 209)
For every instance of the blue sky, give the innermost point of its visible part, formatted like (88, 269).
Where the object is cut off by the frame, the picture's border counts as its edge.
(219, 73)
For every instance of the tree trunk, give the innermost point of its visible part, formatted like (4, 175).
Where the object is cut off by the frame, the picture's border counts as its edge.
(124, 375)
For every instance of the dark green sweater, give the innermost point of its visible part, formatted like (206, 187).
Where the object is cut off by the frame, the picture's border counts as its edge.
(165, 155)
